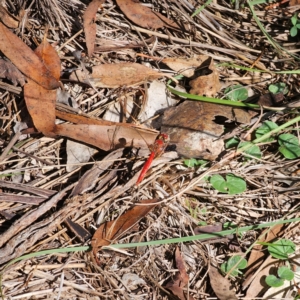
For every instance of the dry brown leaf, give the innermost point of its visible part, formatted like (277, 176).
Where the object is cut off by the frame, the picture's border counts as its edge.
(180, 280)
(116, 75)
(112, 230)
(144, 16)
(257, 255)
(258, 285)
(41, 107)
(206, 85)
(40, 102)
(192, 127)
(7, 18)
(185, 66)
(89, 25)
(107, 137)
(80, 119)
(221, 285)
(49, 57)
(9, 71)
(209, 229)
(25, 59)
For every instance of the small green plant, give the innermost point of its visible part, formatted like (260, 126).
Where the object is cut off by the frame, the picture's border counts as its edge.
(281, 250)
(236, 93)
(232, 142)
(296, 25)
(252, 151)
(232, 185)
(289, 145)
(192, 162)
(234, 265)
(279, 87)
(284, 273)
(266, 127)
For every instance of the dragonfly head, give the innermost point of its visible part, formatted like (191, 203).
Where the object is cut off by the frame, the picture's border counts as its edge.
(164, 137)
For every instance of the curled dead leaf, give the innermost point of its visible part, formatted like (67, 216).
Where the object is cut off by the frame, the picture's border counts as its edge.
(144, 16)
(199, 134)
(107, 137)
(206, 85)
(221, 285)
(89, 25)
(40, 101)
(180, 279)
(116, 75)
(113, 230)
(25, 59)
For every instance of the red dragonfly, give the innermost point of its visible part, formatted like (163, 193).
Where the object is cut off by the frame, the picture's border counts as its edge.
(157, 149)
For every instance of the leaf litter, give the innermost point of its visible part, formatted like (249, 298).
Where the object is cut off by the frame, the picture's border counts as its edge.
(213, 51)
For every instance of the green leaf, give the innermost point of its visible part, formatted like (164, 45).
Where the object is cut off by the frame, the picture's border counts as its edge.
(273, 281)
(277, 88)
(293, 31)
(232, 263)
(252, 150)
(233, 184)
(298, 26)
(192, 162)
(285, 273)
(236, 93)
(282, 248)
(289, 146)
(218, 182)
(266, 127)
(230, 143)
(294, 19)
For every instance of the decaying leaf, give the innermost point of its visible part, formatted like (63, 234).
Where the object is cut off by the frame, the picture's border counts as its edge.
(200, 135)
(206, 85)
(107, 137)
(25, 59)
(259, 286)
(221, 285)
(116, 75)
(89, 25)
(214, 228)
(144, 16)
(185, 66)
(257, 259)
(40, 101)
(113, 230)
(180, 279)
(9, 71)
